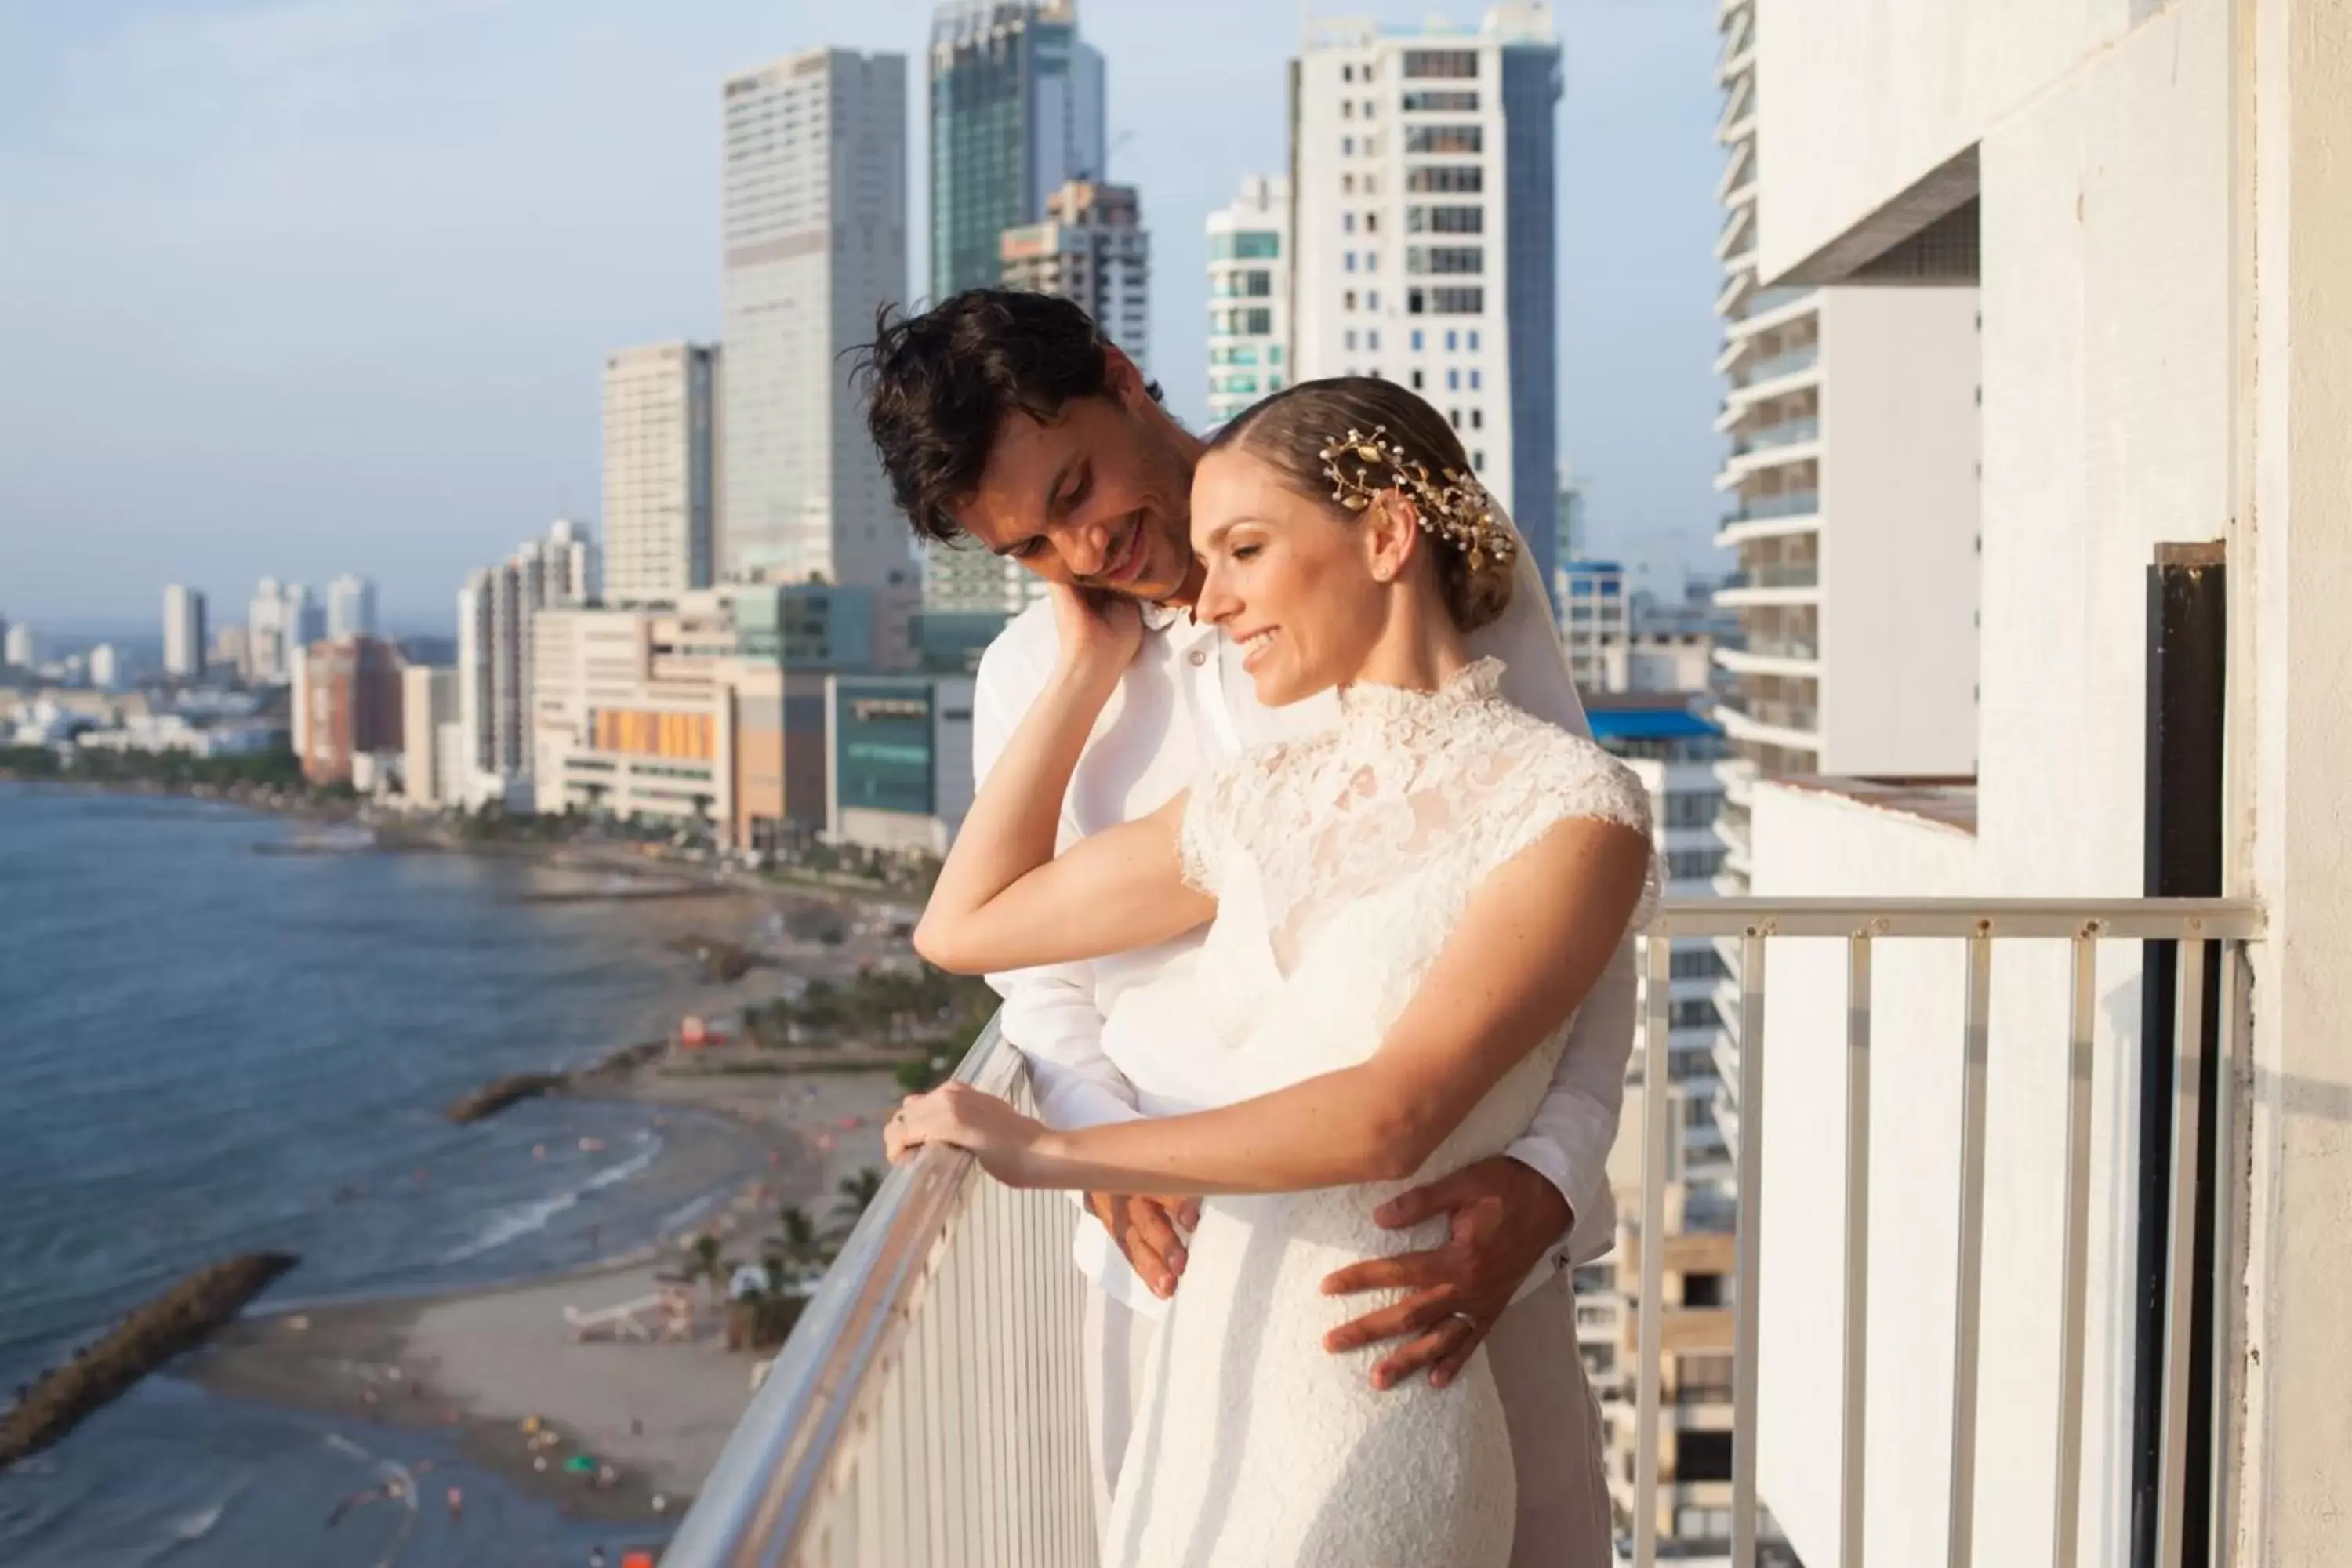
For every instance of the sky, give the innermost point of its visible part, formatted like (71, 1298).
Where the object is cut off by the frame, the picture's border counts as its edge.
(298, 288)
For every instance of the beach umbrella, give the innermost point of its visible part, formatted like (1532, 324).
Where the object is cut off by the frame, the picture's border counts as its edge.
(580, 1464)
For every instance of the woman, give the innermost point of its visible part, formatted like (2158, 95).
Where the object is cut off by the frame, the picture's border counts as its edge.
(1406, 911)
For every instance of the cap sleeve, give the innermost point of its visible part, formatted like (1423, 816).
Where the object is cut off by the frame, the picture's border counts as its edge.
(1575, 780)
(1207, 836)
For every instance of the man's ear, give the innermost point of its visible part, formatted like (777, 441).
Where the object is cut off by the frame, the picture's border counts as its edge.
(1121, 379)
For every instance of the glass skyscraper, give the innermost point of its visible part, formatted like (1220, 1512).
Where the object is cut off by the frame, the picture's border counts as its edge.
(1016, 112)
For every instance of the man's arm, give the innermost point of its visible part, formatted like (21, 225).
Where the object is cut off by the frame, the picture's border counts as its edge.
(1567, 1142)
(1050, 1016)
(1049, 1013)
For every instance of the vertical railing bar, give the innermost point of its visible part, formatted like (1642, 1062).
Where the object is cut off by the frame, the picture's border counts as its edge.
(1852, 1428)
(935, 1480)
(1078, 1479)
(1658, 994)
(1021, 1331)
(2226, 1167)
(873, 1485)
(1003, 1437)
(980, 1346)
(1969, 1281)
(2180, 1241)
(901, 1498)
(1749, 1300)
(2074, 1263)
(970, 1542)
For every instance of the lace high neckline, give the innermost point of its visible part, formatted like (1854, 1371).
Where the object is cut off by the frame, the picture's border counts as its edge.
(1476, 681)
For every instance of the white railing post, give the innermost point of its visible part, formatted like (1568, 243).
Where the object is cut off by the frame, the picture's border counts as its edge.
(1856, 1369)
(2181, 1240)
(2074, 1265)
(1968, 1293)
(1748, 1300)
(1654, 1133)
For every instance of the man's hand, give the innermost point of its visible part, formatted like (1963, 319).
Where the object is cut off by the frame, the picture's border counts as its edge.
(1147, 1231)
(1502, 1216)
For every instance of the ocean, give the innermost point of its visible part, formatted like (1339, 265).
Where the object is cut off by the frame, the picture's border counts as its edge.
(208, 1048)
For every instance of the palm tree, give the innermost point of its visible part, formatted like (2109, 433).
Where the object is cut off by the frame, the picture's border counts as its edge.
(855, 1193)
(801, 1244)
(708, 1265)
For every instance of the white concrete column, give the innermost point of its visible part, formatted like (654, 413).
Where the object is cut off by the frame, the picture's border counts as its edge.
(2291, 559)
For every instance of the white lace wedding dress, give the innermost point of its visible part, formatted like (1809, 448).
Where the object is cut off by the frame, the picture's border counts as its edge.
(1340, 865)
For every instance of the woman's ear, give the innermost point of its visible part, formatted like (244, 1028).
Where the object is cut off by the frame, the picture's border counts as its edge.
(1392, 535)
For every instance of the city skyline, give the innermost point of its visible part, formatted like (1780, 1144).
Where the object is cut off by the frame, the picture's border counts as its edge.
(356, 416)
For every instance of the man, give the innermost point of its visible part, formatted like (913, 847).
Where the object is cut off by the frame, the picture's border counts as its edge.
(1007, 422)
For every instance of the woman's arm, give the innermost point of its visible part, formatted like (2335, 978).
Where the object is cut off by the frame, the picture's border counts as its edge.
(1535, 938)
(1003, 901)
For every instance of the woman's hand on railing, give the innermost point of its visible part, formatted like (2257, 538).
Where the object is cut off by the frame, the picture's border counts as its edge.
(956, 1113)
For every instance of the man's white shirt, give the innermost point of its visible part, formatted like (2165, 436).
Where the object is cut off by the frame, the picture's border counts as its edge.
(1120, 1037)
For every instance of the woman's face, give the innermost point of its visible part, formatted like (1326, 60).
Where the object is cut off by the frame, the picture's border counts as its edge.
(1287, 578)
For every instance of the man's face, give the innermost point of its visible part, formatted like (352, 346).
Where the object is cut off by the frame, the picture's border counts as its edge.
(1099, 498)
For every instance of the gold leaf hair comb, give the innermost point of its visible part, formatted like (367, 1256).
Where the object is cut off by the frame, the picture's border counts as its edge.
(1453, 506)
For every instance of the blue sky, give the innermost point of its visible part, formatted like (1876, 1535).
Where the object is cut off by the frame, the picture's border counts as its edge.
(303, 287)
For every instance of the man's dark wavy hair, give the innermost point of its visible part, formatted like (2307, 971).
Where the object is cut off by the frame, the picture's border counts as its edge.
(939, 385)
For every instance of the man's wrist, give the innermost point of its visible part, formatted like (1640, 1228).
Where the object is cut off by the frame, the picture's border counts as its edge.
(1535, 1196)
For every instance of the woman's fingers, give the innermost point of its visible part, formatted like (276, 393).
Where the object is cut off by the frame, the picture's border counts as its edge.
(910, 1127)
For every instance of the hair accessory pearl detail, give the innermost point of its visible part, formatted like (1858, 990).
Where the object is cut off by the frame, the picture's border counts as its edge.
(1455, 506)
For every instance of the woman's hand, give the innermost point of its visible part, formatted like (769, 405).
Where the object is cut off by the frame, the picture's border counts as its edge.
(1098, 632)
(962, 1116)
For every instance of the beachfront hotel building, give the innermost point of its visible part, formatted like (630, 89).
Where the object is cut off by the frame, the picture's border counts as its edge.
(661, 471)
(184, 632)
(761, 713)
(814, 242)
(1016, 113)
(347, 706)
(1249, 296)
(621, 720)
(495, 609)
(429, 707)
(1426, 242)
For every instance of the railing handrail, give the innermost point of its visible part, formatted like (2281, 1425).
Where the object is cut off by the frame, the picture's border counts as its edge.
(2231, 920)
(757, 1500)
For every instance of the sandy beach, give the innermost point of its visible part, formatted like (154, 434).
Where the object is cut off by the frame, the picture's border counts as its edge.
(483, 1362)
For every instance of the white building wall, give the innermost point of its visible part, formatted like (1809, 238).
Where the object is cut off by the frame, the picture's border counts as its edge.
(1809, 842)
(2104, 162)
(1898, 558)
(1927, 77)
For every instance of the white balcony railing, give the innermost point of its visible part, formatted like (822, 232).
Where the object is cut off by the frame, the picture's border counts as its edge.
(928, 1409)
